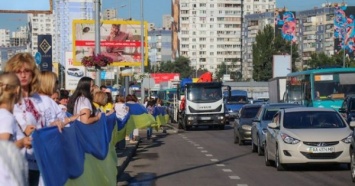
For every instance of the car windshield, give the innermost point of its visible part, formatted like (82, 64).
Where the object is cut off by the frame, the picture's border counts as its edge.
(313, 120)
(249, 112)
(269, 114)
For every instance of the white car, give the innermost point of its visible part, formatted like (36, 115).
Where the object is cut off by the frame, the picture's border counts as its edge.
(307, 135)
(75, 72)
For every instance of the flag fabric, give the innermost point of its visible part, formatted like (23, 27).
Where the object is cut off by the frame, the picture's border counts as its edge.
(161, 117)
(84, 154)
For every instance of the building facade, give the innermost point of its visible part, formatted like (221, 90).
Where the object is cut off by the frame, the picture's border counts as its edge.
(4, 38)
(167, 22)
(159, 46)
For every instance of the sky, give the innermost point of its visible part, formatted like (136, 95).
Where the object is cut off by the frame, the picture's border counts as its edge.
(153, 9)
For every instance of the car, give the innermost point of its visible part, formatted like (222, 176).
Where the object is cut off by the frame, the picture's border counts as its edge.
(259, 124)
(242, 124)
(347, 108)
(75, 72)
(307, 135)
(352, 153)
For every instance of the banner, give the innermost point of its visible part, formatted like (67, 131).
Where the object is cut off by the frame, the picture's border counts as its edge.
(72, 73)
(164, 77)
(45, 49)
(120, 40)
(285, 24)
(344, 30)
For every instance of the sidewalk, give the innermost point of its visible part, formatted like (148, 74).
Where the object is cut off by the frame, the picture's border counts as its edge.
(125, 155)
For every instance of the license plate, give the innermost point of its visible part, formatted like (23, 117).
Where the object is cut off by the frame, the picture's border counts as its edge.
(205, 118)
(320, 149)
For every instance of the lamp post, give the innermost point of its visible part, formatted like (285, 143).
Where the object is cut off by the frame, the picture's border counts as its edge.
(97, 39)
(344, 56)
(142, 50)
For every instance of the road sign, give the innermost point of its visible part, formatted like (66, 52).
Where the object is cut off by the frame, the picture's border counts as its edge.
(38, 58)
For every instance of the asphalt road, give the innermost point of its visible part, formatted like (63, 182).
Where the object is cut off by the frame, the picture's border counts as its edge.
(209, 157)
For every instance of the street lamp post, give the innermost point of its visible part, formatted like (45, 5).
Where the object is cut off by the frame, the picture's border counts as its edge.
(142, 50)
(97, 39)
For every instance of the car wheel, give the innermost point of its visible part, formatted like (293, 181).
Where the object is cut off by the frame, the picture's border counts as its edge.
(267, 161)
(352, 164)
(253, 146)
(260, 150)
(279, 165)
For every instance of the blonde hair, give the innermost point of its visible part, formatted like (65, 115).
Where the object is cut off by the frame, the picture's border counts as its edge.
(10, 89)
(100, 98)
(15, 64)
(48, 82)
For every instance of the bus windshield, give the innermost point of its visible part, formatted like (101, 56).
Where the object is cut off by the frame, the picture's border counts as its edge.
(294, 93)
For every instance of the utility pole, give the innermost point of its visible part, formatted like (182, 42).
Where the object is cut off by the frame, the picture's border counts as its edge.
(142, 51)
(97, 39)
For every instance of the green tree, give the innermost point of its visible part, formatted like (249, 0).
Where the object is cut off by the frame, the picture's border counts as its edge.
(221, 70)
(181, 65)
(323, 60)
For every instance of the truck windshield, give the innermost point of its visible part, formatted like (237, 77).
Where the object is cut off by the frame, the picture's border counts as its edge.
(204, 94)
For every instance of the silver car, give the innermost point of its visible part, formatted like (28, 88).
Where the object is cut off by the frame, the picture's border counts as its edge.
(243, 122)
(307, 135)
(259, 125)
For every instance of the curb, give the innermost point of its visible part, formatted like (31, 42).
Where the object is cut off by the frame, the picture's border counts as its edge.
(124, 156)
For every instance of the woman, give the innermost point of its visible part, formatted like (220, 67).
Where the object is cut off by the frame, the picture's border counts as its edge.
(81, 102)
(9, 95)
(120, 107)
(109, 105)
(48, 107)
(26, 111)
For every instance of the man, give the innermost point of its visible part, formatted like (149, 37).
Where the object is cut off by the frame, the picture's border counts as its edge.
(116, 35)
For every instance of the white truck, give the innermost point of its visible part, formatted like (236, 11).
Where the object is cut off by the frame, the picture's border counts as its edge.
(277, 88)
(203, 105)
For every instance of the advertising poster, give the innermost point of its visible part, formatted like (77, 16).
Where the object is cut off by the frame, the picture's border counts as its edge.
(45, 49)
(164, 77)
(120, 40)
(27, 6)
(344, 30)
(72, 73)
(285, 24)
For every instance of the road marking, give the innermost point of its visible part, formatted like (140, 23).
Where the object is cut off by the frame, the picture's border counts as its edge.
(214, 160)
(199, 147)
(220, 165)
(204, 151)
(196, 145)
(190, 141)
(209, 155)
(184, 137)
(234, 177)
(226, 170)
(242, 184)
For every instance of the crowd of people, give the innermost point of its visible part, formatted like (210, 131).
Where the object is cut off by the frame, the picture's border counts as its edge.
(30, 100)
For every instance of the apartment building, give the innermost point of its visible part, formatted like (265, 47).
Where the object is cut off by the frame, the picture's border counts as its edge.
(4, 37)
(41, 24)
(65, 12)
(251, 25)
(19, 37)
(167, 22)
(210, 32)
(159, 46)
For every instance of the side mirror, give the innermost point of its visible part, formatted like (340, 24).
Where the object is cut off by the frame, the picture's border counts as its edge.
(342, 110)
(352, 124)
(272, 126)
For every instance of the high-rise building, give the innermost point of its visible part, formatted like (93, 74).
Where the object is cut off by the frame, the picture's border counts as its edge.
(19, 37)
(159, 45)
(209, 32)
(41, 24)
(109, 14)
(167, 22)
(65, 12)
(4, 37)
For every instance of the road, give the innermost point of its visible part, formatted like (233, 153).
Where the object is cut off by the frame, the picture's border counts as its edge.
(209, 157)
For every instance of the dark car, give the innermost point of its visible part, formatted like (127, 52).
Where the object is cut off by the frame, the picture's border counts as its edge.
(242, 126)
(347, 109)
(352, 152)
(259, 124)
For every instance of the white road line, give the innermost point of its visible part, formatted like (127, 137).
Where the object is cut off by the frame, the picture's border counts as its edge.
(234, 177)
(214, 160)
(242, 184)
(226, 170)
(209, 155)
(196, 145)
(220, 165)
(199, 147)
(204, 151)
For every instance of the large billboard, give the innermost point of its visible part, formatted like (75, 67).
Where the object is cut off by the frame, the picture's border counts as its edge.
(285, 24)
(281, 65)
(26, 6)
(164, 77)
(344, 30)
(120, 40)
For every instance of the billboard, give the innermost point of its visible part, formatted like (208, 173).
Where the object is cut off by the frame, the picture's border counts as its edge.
(45, 50)
(281, 65)
(27, 6)
(120, 40)
(164, 77)
(344, 30)
(72, 73)
(285, 24)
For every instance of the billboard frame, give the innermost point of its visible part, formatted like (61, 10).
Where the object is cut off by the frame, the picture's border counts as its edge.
(50, 11)
(130, 59)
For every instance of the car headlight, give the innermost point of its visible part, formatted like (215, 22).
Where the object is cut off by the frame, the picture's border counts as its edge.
(246, 127)
(190, 118)
(348, 139)
(288, 139)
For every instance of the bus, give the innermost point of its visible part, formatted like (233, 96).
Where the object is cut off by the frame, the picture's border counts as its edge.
(322, 87)
(167, 95)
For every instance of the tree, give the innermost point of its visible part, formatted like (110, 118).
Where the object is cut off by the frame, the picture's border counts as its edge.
(323, 60)
(221, 70)
(181, 66)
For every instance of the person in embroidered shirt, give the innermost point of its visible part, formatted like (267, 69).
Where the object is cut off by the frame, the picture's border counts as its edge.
(9, 95)
(26, 111)
(81, 102)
